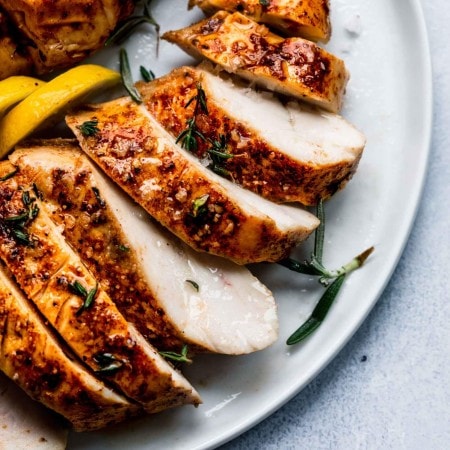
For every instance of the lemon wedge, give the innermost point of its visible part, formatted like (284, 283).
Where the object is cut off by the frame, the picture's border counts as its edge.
(16, 88)
(49, 102)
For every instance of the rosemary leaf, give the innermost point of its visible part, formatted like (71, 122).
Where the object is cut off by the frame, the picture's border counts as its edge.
(127, 78)
(178, 357)
(193, 284)
(147, 75)
(8, 175)
(319, 313)
(319, 233)
(108, 363)
(90, 297)
(78, 289)
(89, 128)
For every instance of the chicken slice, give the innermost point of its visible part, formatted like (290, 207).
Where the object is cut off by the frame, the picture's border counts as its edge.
(13, 60)
(306, 18)
(148, 273)
(63, 32)
(206, 211)
(32, 356)
(70, 298)
(284, 152)
(292, 66)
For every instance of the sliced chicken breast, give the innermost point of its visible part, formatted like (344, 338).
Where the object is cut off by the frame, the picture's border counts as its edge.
(63, 32)
(173, 294)
(206, 211)
(305, 18)
(32, 356)
(292, 66)
(52, 275)
(284, 152)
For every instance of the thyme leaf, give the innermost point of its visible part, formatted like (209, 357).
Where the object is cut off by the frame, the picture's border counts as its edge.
(88, 296)
(178, 357)
(199, 206)
(127, 78)
(89, 128)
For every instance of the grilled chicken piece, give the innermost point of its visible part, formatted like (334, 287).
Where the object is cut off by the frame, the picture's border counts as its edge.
(291, 66)
(209, 213)
(69, 297)
(12, 59)
(63, 32)
(284, 152)
(305, 18)
(35, 360)
(147, 271)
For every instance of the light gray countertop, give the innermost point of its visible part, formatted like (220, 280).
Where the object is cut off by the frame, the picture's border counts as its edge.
(399, 397)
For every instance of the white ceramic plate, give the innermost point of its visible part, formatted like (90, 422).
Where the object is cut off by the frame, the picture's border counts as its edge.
(389, 97)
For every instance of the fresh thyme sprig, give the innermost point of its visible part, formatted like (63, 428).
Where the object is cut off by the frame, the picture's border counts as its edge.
(127, 78)
(331, 279)
(178, 357)
(131, 23)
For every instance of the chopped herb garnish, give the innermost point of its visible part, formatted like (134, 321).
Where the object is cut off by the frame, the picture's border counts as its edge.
(127, 78)
(98, 197)
(178, 357)
(199, 206)
(123, 248)
(219, 154)
(8, 175)
(193, 284)
(88, 297)
(264, 2)
(147, 75)
(131, 23)
(16, 224)
(108, 363)
(89, 128)
(188, 137)
(331, 279)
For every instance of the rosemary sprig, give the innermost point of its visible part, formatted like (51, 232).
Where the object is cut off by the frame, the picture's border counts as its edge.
(188, 137)
(331, 279)
(8, 175)
(131, 23)
(108, 363)
(178, 357)
(127, 78)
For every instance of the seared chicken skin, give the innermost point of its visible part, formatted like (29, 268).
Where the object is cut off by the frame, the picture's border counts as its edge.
(292, 66)
(70, 298)
(284, 152)
(305, 18)
(150, 279)
(209, 213)
(61, 33)
(35, 360)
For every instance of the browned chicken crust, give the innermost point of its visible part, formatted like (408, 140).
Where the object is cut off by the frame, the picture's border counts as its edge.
(304, 18)
(292, 66)
(169, 184)
(257, 164)
(72, 198)
(50, 274)
(60, 33)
